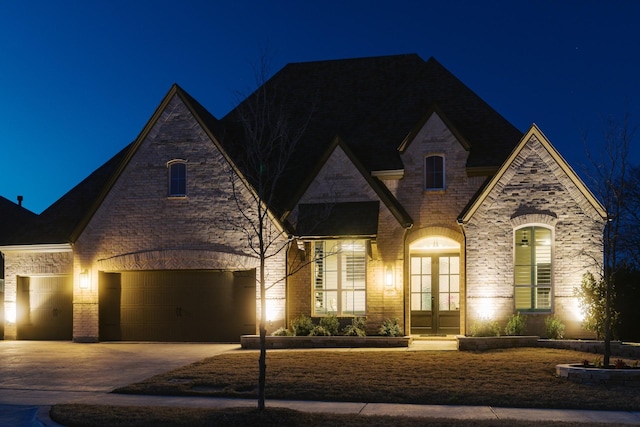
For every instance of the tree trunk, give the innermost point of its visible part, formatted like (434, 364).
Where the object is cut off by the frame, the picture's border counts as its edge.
(262, 363)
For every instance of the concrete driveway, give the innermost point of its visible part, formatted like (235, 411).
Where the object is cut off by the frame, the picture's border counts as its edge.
(49, 372)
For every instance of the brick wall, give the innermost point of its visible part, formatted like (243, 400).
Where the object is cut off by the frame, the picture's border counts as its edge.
(533, 191)
(138, 227)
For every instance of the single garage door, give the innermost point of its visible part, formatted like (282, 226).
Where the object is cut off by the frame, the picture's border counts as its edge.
(171, 306)
(44, 308)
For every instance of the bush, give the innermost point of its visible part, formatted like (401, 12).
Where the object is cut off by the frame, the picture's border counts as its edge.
(281, 332)
(485, 328)
(331, 324)
(555, 328)
(319, 331)
(390, 328)
(356, 328)
(516, 325)
(302, 326)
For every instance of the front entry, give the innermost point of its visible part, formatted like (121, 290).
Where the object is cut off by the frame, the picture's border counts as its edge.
(435, 294)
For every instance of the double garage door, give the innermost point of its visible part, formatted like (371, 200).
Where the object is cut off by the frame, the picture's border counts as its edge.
(172, 306)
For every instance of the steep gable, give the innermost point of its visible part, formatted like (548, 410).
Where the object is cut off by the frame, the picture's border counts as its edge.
(340, 178)
(541, 158)
(13, 218)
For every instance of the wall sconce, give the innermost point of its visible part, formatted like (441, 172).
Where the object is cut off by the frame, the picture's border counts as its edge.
(389, 277)
(84, 279)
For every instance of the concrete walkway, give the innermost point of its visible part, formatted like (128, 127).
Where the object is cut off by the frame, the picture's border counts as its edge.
(36, 375)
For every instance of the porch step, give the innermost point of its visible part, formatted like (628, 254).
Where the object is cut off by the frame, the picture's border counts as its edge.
(433, 337)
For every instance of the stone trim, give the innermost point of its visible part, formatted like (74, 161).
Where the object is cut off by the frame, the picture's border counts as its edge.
(533, 219)
(178, 259)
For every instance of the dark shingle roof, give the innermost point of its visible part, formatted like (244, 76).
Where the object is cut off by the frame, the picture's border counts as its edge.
(338, 219)
(13, 218)
(373, 104)
(58, 222)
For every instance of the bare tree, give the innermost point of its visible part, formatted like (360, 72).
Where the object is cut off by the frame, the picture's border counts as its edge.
(261, 137)
(610, 173)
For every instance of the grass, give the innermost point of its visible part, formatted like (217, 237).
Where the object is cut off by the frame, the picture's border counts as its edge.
(519, 377)
(77, 415)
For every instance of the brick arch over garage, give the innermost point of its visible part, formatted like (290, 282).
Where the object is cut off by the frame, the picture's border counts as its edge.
(179, 259)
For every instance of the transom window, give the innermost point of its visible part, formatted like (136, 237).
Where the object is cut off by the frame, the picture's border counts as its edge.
(434, 172)
(177, 178)
(533, 273)
(339, 277)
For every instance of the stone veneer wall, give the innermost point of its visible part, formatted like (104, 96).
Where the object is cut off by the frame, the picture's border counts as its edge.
(28, 263)
(533, 191)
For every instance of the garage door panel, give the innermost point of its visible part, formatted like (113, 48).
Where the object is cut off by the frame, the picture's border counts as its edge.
(45, 308)
(178, 306)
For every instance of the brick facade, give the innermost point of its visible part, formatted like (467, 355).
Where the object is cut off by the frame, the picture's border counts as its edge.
(534, 190)
(137, 227)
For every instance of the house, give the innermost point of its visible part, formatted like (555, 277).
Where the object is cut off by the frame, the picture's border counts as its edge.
(406, 197)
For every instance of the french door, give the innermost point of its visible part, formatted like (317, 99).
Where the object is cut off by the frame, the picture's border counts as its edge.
(435, 294)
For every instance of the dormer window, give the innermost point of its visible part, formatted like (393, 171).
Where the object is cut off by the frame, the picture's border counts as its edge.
(434, 172)
(177, 178)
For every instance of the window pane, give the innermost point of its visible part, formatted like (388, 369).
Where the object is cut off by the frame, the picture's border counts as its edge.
(177, 179)
(543, 298)
(426, 265)
(426, 301)
(523, 298)
(415, 283)
(434, 172)
(455, 301)
(454, 265)
(426, 284)
(444, 301)
(415, 302)
(444, 283)
(454, 283)
(523, 275)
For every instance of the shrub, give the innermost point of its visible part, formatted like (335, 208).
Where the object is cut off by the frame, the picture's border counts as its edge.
(555, 328)
(331, 324)
(485, 328)
(390, 328)
(516, 325)
(320, 331)
(302, 326)
(356, 328)
(281, 332)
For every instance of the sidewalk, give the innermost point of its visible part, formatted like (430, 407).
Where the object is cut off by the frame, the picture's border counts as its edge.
(429, 411)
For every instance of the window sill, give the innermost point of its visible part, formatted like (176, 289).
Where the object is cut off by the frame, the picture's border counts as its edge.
(177, 197)
(437, 191)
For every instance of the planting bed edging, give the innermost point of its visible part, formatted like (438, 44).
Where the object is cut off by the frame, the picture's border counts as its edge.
(252, 342)
(488, 343)
(582, 375)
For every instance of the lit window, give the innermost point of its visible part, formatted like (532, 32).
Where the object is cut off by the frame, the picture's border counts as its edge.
(533, 282)
(434, 172)
(339, 277)
(177, 178)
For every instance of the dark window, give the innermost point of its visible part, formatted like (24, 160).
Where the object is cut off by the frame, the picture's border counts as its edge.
(434, 173)
(178, 179)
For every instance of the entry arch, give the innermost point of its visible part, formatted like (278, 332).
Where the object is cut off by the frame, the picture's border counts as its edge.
(435, 292)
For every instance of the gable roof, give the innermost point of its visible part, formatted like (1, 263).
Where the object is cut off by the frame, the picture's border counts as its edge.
(13, 217)
(381, 190)
(374, 104)
(534, 131)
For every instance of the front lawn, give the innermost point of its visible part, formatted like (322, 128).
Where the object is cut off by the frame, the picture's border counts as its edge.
(518, 377)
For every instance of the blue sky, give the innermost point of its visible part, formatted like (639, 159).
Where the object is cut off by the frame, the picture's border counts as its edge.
(81, 78)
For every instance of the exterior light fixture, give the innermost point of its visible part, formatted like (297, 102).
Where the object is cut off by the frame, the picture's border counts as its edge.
(10, 313)
(388, 277)
(84, 279)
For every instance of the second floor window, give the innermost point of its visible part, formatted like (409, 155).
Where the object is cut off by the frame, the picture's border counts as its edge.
(177, 178)
(434, 172)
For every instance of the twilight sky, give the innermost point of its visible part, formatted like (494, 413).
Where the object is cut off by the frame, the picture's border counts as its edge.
(80, 79)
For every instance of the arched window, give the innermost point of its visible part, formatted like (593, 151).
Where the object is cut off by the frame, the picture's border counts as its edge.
(533, 273)
(434, 172)
(177, 178)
